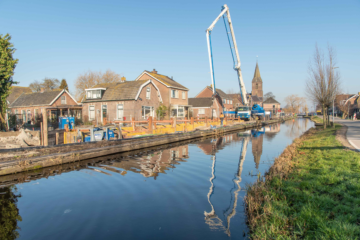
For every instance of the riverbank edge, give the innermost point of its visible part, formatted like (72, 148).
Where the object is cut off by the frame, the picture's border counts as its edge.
(258, 194)
(68, 153)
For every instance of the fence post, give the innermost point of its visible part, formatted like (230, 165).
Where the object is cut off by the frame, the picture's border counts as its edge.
(174, 123)
(133, 123)
(192, 122)
(92, 137)
(150, 124)
(57, 138)
(206, 121)
(45, 126)
(120, 133)
(154, 123)
(41, 135)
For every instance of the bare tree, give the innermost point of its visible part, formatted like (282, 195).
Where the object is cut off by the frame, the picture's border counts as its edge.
(48, 84)
(269, 95)
(35, 86)
(92, 78)
(323, 83)
(342, 105)
(294, 103)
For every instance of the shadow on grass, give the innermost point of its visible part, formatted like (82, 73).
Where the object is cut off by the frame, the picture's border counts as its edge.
(322, 148)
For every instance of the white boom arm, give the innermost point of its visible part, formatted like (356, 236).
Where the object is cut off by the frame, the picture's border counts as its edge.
(237, 63)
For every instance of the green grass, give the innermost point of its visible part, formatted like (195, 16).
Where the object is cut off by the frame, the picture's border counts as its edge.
(318, 199)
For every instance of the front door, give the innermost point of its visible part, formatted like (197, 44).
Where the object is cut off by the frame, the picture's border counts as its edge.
(104, 113)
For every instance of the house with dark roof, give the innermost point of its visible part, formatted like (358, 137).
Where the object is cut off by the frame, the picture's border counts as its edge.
(205, 107)
(28, 106)
(15, 92)
(174, 95)
(226, 101)
(121, 101)
(270, 104)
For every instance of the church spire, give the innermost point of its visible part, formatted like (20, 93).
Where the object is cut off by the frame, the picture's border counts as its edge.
(257, 77)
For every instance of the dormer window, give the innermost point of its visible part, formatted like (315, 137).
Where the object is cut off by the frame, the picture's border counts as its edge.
(94, 93)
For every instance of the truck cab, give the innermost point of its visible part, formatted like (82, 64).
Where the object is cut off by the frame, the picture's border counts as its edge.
(243, 112)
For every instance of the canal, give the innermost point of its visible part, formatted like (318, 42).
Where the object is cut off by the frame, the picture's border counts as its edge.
(189, 190)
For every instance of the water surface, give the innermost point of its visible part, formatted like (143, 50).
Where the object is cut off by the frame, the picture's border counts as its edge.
(188, 190)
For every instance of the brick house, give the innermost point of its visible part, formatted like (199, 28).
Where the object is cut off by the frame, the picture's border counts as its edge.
(121, 101)
(28, 106)
(15, 92)
(350, 100)
(271, 105)
(225, 100)
(205, 107)
(174, 95)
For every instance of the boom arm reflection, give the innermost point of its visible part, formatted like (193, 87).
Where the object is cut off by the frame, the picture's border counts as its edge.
(211, 218)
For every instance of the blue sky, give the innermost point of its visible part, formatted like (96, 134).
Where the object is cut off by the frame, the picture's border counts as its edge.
(62, 39)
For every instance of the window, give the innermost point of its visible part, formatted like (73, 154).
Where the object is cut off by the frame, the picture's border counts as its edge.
(93, 94)
(36, 114)
(63, 99)
(148, 93)
(230, 101)
(177, 111)
(181, 112)
(146, 112)
(201, 111)
(91, 112)
(120, 111)
(224, 101)
(174, 94)
(183, 95)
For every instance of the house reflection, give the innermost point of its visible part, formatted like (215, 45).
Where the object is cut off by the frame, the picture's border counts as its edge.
(271, 131)
(220, 215)
(152, 164)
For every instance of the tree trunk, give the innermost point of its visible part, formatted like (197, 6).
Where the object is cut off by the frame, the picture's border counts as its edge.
(324, 116)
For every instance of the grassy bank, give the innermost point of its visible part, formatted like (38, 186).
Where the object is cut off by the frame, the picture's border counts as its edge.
(312, 191)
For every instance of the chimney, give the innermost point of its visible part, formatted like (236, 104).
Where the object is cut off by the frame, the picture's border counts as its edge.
(154, 71)
(42, 90)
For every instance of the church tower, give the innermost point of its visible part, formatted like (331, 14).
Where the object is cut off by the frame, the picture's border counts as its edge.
(257, 84)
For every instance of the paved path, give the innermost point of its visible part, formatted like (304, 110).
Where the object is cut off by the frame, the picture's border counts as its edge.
(353, 132)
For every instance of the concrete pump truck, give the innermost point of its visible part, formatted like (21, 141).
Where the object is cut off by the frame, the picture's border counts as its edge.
(245, 112)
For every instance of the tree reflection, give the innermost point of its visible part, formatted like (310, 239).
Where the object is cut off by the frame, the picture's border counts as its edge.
(9, 213)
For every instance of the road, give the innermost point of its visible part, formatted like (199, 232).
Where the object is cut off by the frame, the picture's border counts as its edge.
(353, 132)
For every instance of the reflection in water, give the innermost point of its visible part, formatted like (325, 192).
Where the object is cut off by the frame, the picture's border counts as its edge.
(257, 144)
(9, 213)
(119, 178)
(211, 218)
(295, 128)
